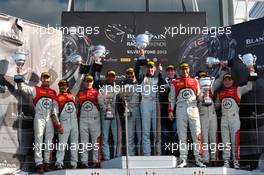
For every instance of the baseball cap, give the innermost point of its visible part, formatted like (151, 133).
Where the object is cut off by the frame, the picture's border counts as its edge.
(201, 73)
(227, 75)
(46, 73)
(63, 82)
(150, 63)
(88, 78)
(184, 65)
(130, 69)
(111, 72)
(170, 67)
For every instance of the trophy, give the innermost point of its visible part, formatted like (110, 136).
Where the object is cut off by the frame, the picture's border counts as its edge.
(250, 61)
(206, 84)
(127, 95)
(20, 59)
(141, 42)
(74, 58)
(212, 61)
(98, 54)
(108, 103)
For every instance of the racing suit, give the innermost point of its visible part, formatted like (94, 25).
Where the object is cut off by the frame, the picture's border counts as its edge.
(134, 118)
(89, 104)
(184, 92)
(230, 122)
(45, 119)
(114, 124)
(149, 108)
(68, 120)
(208, 121)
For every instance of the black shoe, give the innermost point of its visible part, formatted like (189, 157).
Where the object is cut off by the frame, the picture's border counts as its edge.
(214, 163)
(207, 164)
(94, 165)
(83, 165)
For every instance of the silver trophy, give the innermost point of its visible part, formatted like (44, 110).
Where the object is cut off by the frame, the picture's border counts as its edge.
(206, 84)
(250, 61)
(212, 61)
(74, 58)
(108, 105)
(20, 59)
(98, 54)
(141, 41)
(127, 95)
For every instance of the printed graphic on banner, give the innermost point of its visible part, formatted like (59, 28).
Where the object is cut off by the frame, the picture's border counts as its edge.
(41, 51)
(116, 32)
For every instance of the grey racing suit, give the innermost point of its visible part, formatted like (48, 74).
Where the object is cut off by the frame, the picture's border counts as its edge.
(68, 120)
(208, 121)
(90, 103)
(44, 99)
(184, 92)
(134, 118)
(148, 107)
(230, 122)
(115, 124)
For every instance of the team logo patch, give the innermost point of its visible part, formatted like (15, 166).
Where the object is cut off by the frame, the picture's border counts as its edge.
(46, 103)
(186, 94)
(227, 103)
(69, 107)
(87, 106)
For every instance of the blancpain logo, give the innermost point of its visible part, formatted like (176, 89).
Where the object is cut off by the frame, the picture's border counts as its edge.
(157, 37)
(255, 41)
(10, 37)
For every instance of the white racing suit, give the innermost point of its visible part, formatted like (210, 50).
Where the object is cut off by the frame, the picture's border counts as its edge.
(184, 92)
(114, 124)
(89, 103)
(68, 120)
(44, 99)
(208, 121)
(230, 122)
(134, 119)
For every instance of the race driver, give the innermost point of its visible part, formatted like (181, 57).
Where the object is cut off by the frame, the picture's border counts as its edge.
(184, 92)
(149, 106)
(208, 118)
(230, 97)
(134, 117)
(44, 99)
(110, 117)
(68, 120)
(89, 104)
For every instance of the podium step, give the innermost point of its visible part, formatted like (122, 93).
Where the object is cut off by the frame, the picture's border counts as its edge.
(141, 162)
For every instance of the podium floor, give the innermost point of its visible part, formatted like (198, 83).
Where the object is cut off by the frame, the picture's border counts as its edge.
(150, 165)
(158, 171)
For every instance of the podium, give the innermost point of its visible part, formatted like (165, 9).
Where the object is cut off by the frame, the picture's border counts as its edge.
(141, 162)
(150, 165)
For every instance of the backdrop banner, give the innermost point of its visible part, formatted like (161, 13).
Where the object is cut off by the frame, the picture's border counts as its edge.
(43, 47)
